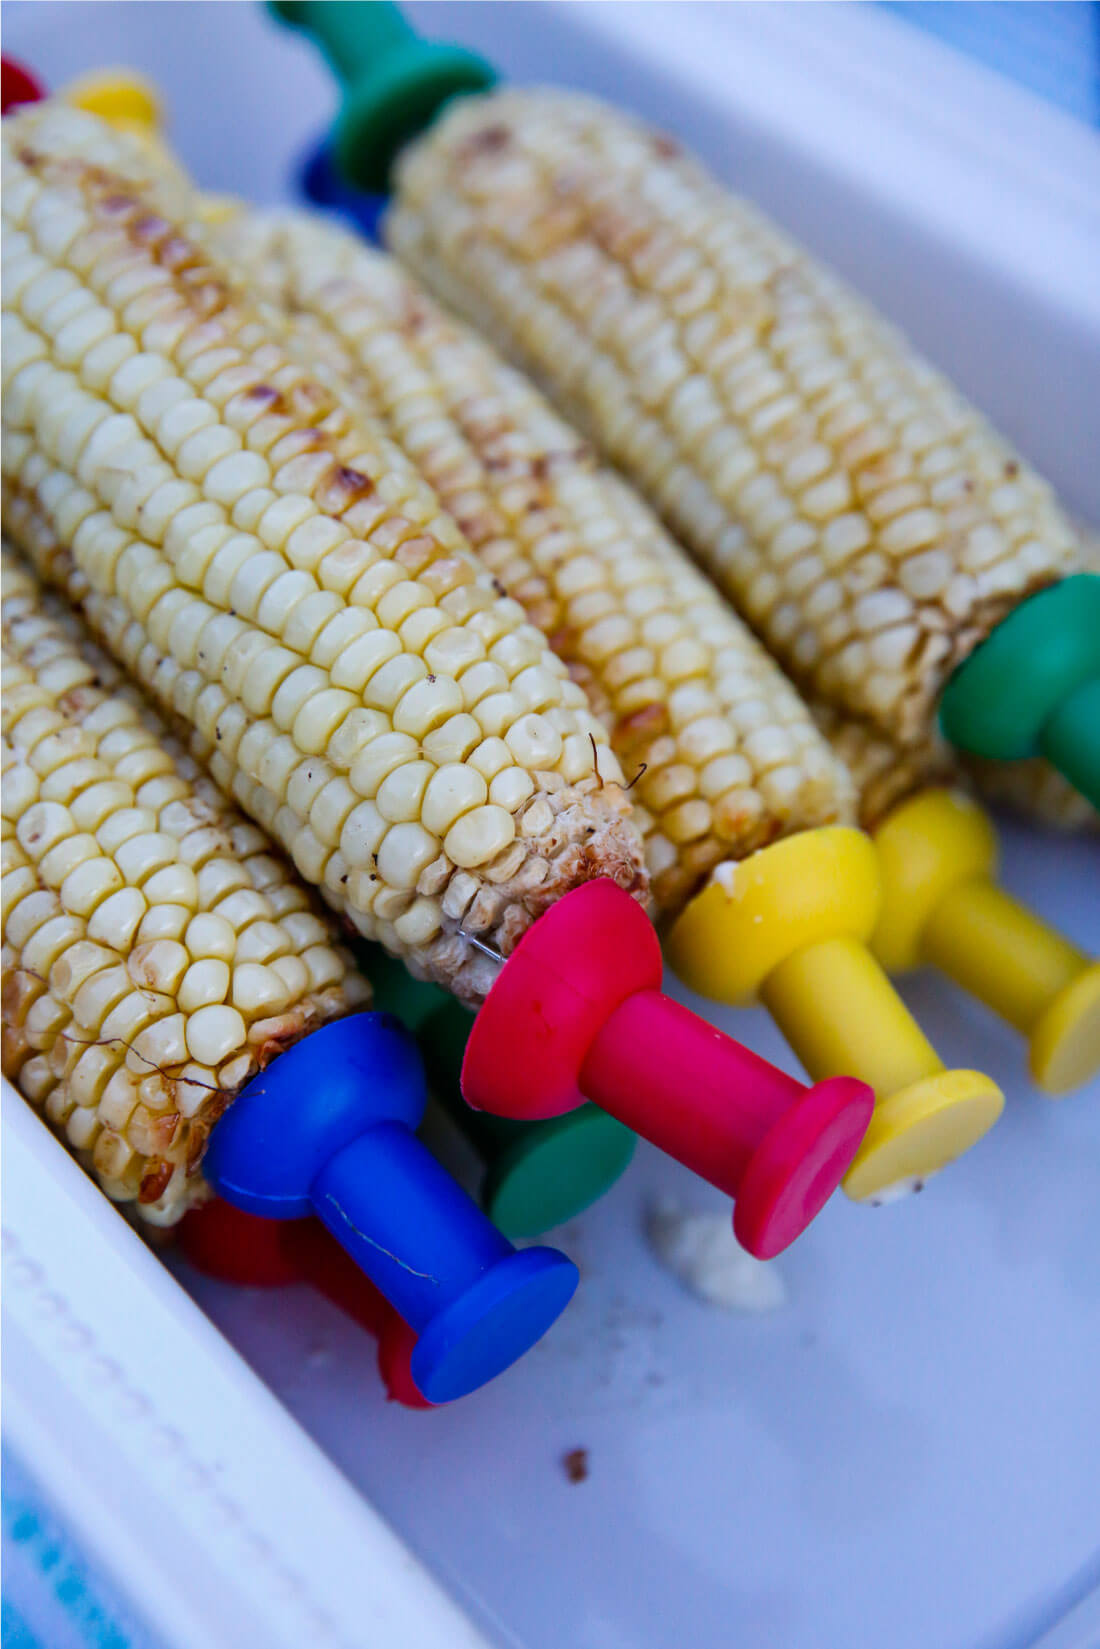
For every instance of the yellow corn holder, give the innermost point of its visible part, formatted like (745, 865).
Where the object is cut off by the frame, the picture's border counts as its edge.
(123, 97)
(942, 906)
(791, 927)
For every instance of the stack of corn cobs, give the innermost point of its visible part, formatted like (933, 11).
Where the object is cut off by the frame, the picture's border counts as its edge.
(378, 625)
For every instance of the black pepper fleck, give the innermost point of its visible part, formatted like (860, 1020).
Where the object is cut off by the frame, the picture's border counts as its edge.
(575, 1462)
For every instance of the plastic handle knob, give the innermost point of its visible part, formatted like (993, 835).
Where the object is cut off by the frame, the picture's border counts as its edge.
(121, 97)
(578, 1010)
(328, 1129)
(1070, 739)
(321, 183)
(537, 1174)
(18, 85)
(395, 82)
(224, 1242)
(1033, 686)
(791, 926)
(942, 905)
(351, 35)
(727, 1114)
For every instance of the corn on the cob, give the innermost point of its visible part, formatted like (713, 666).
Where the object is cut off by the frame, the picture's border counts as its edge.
(726, 755)
(866, 521)
(156, 954)
(279, 576)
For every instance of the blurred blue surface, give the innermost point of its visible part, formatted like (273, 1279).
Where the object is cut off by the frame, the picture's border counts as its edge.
(53, 1598)
(1050, 46)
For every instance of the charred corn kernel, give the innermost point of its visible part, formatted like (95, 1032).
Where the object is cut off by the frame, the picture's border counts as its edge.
(867, 522)
(310, 502)
(120, 1014)
(676, 676)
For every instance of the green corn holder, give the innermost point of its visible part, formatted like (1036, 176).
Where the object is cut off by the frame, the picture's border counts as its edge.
(537, 1174)
(394, 82)
(1033, 687)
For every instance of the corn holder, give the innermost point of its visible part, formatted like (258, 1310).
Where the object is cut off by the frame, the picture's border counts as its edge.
(395, 82)
(792, 927)
(324, 186)
(18, 86)
(1032, 687)
(537, 1174)
(224, 1242)
(422, 824)
(341, 1145)
(579, 1010)
(122, 97)
(1013, 658)
(942, 907)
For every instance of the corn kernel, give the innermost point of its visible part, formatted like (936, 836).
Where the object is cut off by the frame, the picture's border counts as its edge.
(204, 984)
(212, 1034)
(478, 836)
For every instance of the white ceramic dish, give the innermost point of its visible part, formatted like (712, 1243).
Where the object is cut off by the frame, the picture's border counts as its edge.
(909, 1453)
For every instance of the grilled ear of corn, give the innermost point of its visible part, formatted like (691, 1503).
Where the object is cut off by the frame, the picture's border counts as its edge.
(866, 521)
(278, 576)
(723, 754)
(156, 954)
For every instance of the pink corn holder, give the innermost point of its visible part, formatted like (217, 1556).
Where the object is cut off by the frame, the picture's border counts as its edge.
(578, 1013)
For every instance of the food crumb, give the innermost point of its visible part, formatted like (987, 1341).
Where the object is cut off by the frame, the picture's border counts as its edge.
(575, 1462)
(702, 1253)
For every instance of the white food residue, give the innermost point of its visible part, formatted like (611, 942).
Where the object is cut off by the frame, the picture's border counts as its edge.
(701, 1251)
(898, 1192)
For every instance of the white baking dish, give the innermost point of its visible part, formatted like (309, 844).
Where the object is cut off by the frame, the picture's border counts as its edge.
(909, 1452)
